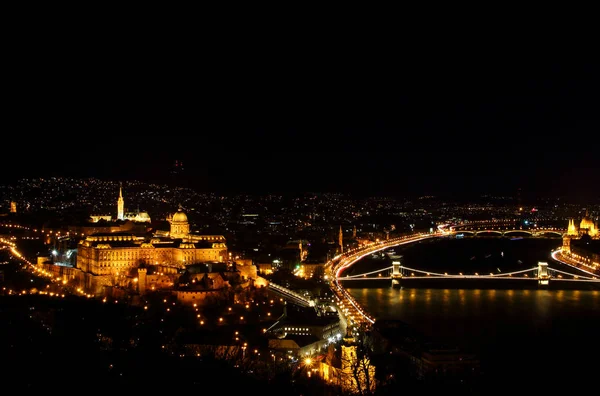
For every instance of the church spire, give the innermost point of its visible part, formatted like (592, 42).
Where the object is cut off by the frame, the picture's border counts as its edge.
(120, 204)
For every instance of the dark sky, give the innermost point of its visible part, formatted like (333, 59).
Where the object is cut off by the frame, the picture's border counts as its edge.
(314, 119)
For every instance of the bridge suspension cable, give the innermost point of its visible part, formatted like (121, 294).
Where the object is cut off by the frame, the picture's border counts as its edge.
(500, 275)
(451, 275)
(503, 275)
(366, 273)
(446, 275)
(576, 276)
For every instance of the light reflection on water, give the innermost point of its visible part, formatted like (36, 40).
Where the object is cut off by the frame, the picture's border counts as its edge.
(509, 329)
(419, 305)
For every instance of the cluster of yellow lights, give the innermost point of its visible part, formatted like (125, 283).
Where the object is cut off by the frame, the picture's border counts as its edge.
(341, 261)
(32, 291)
(42, 231)
(80, 291)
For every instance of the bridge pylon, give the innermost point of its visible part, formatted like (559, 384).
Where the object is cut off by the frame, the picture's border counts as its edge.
(543, 274)
(396, 274)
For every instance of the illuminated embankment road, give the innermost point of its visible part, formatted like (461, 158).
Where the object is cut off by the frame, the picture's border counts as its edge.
(572, 262)
(355, 315)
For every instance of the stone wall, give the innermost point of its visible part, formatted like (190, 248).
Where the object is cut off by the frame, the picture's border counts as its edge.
(76, 278)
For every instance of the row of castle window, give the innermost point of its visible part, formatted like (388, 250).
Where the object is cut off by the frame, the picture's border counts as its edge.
(135, 255)
(295, 329)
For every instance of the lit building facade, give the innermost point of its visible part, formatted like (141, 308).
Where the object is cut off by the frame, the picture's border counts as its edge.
(587, 226)
(138, 217)
(118, 252)
(585, 256)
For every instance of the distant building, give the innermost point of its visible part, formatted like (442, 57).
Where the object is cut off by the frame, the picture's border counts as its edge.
(265, 268)
(97, 218)
(139, 217)
(13, 207)
(309, 269)
(587, 226)
(585, 253)
(310, 331)
(108, 227)
(582, 244)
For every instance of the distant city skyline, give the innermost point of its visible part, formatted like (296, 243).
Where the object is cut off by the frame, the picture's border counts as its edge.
(379, 174)
(471, 128)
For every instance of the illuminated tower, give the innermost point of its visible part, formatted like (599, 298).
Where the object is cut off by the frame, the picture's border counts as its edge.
(341, 241)
(121, 205)
(13, 207)
(348, 351)
(566, 246)
(354, 232)
(358, 373)
(571, 230)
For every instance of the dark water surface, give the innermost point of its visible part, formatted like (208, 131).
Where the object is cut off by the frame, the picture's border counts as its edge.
(525, 338)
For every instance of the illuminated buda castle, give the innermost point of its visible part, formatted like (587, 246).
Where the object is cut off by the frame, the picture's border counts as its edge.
(117, 261)
(110, 253)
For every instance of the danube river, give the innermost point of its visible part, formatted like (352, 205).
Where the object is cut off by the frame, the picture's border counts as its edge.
(524, 337)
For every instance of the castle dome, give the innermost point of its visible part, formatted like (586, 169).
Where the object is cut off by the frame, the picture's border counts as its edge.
(180, 217)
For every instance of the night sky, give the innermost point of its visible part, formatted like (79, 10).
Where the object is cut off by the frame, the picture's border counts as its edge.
(313, 121)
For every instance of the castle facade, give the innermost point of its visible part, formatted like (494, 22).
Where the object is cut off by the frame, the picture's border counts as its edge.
(111, 253)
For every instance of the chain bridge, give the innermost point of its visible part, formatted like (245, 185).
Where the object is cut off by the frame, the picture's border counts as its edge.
(542, 274)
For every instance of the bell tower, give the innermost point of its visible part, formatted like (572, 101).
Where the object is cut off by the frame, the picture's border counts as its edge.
(120, 204)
